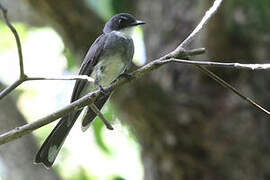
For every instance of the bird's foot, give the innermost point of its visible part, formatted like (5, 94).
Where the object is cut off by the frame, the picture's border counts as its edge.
(100, 88)
(126, 75)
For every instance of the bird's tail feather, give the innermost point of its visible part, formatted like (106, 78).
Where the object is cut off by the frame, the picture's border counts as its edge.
(52, 145)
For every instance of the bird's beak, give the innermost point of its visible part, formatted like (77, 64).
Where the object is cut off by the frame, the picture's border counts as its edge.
(138, 23)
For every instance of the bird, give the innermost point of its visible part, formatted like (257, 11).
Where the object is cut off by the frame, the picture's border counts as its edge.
(108, 57)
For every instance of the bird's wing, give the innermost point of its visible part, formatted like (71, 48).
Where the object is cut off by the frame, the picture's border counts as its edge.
(88, 64)
(52, 145)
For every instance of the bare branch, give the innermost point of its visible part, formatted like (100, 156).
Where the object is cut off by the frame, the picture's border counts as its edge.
(91, 97)
(7, 90)
(101, 116)
(18, 42)
(23, 76)
(208, 14)
(84, 101)
(223, 65)
(28, 128)
(180, 49)
(227, 85)
(19, 47)
(66, 77)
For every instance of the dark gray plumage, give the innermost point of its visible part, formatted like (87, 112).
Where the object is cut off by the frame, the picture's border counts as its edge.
(108, 57)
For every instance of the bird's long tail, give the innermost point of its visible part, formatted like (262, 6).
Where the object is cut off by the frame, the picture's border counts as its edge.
(52, 145)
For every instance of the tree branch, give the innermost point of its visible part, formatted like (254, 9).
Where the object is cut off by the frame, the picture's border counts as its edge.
(66, 77)
(18, 42)
(10, 88)
(88, 99)
(208, 14)
(180, 51)
(23, 76)
(101, 116)
(223, 65)
(227, 85)
(28, 128)
(84, 101)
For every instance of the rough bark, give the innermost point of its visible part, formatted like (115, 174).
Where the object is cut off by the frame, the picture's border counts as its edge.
(16, 158)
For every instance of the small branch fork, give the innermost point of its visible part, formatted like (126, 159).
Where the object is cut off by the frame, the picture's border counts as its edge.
(23, 77)
(176, 56)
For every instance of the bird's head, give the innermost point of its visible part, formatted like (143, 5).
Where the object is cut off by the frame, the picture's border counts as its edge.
(120, 22)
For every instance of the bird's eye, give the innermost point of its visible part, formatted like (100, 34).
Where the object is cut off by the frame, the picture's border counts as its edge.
(120, 21)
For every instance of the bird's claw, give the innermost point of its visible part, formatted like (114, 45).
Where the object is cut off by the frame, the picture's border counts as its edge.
(126, 75)
(100, 88)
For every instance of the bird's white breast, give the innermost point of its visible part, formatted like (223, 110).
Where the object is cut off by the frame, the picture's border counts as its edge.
(107, 70)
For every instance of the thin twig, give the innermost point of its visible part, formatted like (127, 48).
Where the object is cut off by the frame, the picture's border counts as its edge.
(221, 81)
(66, 77)
(223, 65)
(19, 48)
(7, 90)
(208, 14)
(18, 42)
(227, 85)
(101, 116)
(11, 87)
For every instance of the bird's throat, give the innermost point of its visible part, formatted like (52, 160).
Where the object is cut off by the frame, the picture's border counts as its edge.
(126, 32)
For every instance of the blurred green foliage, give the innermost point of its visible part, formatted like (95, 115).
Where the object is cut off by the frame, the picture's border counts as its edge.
(107, 8)
(81, 174)
(120, 6)
(7, 39)
(102, 7)
(118, 178)
(253, 16)
(71, 59)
